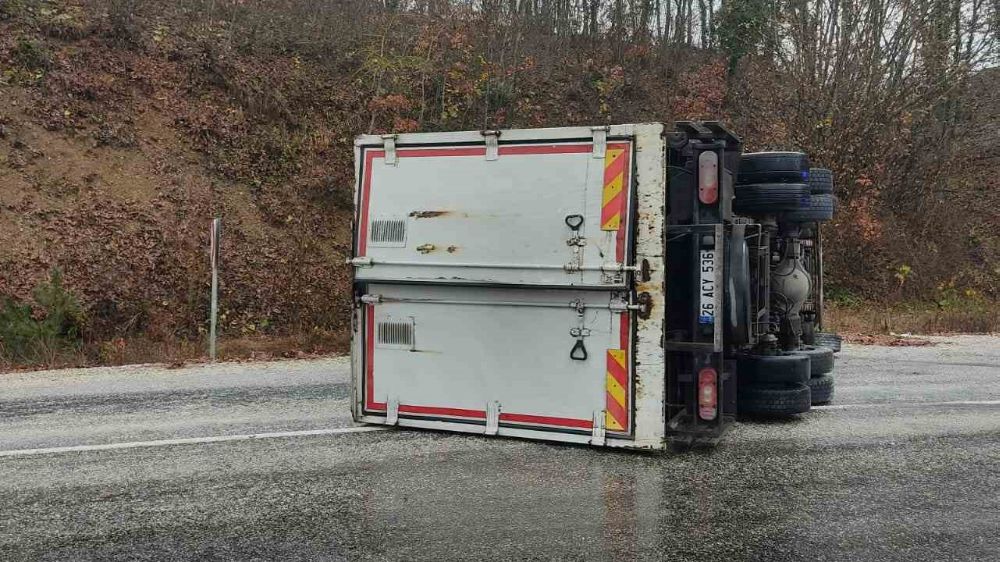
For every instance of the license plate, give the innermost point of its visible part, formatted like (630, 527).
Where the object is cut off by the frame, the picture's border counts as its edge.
(706, 313)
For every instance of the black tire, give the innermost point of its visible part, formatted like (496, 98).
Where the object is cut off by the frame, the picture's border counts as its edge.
(771, 198)
(772, 369)
(773, 400)
(819, 209)
(821, 389)
(828, 340)
(820, 359)
(773, 167)
(820, 181)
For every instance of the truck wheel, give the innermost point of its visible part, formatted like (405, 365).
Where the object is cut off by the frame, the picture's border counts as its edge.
(821, 389)
(820, 359)
(773, 400)
(820, 181)
(772, 369)
(828, 340)
(773, 167)
(820, 209)
(771, 198)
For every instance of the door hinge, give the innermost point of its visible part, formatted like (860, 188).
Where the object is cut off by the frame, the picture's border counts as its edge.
(492, 418)
(371, 299)
(597, 436)
(600, 141)
(363, 261)
(389, 145)
(392, 412)
(492, 144)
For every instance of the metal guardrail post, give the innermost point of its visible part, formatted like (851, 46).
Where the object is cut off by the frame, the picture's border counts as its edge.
(215, 235)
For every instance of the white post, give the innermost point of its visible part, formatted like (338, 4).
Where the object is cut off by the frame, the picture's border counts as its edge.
(214, 239)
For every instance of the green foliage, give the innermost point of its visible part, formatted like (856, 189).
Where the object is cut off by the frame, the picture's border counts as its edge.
(842, 296)
(743, 27)
(949, 295)
(18, 331)
(903, 273)
(63, 315)
(31, 54)
(13, 9)
(10, 8)
(27, 337)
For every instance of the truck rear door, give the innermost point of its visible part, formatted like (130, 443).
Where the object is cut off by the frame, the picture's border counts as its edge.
(494, 282)
(541, 213)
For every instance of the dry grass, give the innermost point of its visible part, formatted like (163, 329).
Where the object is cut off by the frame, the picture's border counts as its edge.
(977, 318)
(302, 345)
(178, 352)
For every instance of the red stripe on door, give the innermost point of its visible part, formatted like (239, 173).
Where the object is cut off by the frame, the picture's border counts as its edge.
(370, 403)
(436, 410)
(547, 420)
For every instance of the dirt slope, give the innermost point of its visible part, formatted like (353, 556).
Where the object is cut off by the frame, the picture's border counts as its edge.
(100, 177)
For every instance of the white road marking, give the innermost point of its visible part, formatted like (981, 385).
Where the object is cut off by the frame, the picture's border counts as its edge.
(189, 441)
(368, 428)
(905, 404)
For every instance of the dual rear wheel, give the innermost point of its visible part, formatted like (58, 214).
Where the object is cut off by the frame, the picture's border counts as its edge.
(783, 184)
(784, 384)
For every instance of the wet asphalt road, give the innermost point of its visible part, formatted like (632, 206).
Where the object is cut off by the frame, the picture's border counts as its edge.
(904, 466)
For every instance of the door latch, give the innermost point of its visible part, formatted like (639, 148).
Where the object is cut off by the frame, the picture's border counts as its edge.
(576, 242)
(579, 351)
(645, 303)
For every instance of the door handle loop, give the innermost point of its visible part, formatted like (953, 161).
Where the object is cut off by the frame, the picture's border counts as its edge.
(574, 222)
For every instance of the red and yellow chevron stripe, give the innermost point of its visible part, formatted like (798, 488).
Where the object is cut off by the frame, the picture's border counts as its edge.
(614, 193)
(616, 408)
(613, 199)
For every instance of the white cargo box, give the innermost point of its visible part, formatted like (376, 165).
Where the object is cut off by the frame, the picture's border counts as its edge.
(508, 284)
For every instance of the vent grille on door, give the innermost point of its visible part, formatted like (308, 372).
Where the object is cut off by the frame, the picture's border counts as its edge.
(388, 232)
(395, 333)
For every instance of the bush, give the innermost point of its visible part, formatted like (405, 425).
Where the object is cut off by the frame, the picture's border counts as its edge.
(33, 334)
(69, 22)
(31, 54)
(124, 28)
(10, 9)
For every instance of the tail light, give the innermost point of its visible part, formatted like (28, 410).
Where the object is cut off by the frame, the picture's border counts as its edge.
(708, 177)
(708, 394)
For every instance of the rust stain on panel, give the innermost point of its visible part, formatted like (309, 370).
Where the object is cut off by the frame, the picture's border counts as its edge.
(429, 214)
(651, 287)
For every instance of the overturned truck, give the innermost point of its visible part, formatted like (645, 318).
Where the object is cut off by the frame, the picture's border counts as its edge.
(620, 286)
